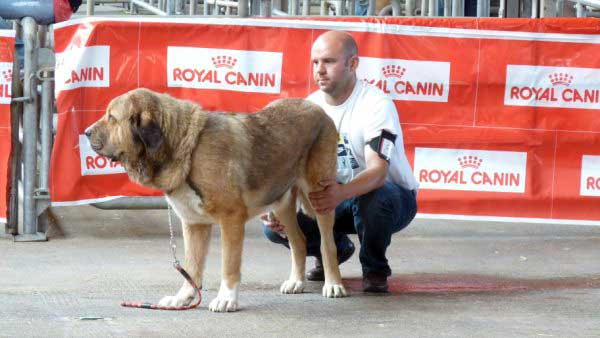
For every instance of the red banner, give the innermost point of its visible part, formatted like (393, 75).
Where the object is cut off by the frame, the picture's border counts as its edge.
(498, 114)
(7, 46)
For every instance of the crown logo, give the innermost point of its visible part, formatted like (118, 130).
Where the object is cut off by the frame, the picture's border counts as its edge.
(560, 79)
(7, 75)
(470, 161)
(224, 61)
(393, 71)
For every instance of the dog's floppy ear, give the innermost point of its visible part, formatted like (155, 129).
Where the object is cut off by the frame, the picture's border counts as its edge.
(147, 130)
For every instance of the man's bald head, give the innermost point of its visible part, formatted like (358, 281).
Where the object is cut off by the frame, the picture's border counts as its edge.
(338, 39)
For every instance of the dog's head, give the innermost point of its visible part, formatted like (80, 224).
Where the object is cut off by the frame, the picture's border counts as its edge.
(130, 128)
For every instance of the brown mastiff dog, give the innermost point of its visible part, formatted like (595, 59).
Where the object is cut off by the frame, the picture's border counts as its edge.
(218, 168)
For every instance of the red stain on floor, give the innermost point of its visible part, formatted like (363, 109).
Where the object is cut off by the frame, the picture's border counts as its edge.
(431, 283)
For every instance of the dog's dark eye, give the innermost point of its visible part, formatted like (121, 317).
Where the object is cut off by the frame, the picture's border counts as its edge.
(111, 118)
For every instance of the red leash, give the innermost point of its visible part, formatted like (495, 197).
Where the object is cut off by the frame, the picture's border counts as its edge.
(177, 266)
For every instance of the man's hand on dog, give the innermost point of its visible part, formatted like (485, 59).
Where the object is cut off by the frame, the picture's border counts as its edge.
(273, 223)
(323, 201)
(328, 199)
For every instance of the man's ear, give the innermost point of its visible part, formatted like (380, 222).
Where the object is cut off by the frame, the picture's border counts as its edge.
(148, 131)
(353, 62)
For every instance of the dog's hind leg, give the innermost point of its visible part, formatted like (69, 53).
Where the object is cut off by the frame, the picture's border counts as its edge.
(196, 239)
(232, 240)
(285, 212)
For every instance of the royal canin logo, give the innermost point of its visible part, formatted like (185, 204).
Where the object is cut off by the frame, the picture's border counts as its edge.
(478, 170)
(246, 71)
(558, 79)
(224, 61)
(393, 71)
(407, 79)
(83, 67)
(552, 87)
(5, 82)
(470, 162)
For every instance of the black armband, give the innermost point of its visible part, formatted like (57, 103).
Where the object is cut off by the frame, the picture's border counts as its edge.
(383, 145)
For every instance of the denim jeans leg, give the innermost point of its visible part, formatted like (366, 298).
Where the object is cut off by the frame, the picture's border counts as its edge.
(377, 216)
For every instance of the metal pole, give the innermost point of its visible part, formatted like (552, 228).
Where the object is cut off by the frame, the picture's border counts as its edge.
(424, 4)
(410, 8)
(372, 7)
(265, 8)
(502, 9)
(205, 8)
(30, 130)
(293, 7)
(306, 7)
(193, 5)
(579, 10)
(170, 6)
(455, 7)
(15, 161)
(448, 7)
(560, 5)
(242, 8)
(481, 8)
(432, 8)
(396, 7)
(352, 7)
(46, 128)
(90, 7)
(534, 9)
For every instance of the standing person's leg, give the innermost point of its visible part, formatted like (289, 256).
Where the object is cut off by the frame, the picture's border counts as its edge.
(377, 216)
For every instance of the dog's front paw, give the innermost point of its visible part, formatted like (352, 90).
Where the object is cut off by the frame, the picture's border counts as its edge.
(334, 291)
(184, 297)
(226, 301)
(175, 301)
(292, 286)
(223, 305)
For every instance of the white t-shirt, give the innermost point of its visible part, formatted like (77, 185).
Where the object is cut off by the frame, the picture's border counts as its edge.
(359, 119)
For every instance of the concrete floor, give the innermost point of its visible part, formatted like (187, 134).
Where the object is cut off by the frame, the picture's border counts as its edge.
(451, 279)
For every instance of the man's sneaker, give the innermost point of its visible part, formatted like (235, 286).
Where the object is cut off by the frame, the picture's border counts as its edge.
(317, 274)
(375, 283)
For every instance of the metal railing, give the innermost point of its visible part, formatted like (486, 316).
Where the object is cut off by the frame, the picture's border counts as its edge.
(31, 122)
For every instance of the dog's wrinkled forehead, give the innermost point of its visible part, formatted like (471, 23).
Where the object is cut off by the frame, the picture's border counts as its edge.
(132, 104)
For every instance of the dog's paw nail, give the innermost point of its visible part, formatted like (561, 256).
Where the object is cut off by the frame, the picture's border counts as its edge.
(292, 286)
(223, 305)
(334, 291)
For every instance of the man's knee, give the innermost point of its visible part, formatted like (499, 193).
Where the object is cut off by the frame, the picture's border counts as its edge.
(386, 208)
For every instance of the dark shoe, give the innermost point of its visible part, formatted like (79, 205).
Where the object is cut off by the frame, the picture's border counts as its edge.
(375, 283)
(317, 274)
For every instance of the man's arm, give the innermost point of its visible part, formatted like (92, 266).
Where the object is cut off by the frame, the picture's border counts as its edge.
(368, 180)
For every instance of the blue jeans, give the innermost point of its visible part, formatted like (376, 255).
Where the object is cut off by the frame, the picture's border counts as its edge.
(374, 216)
